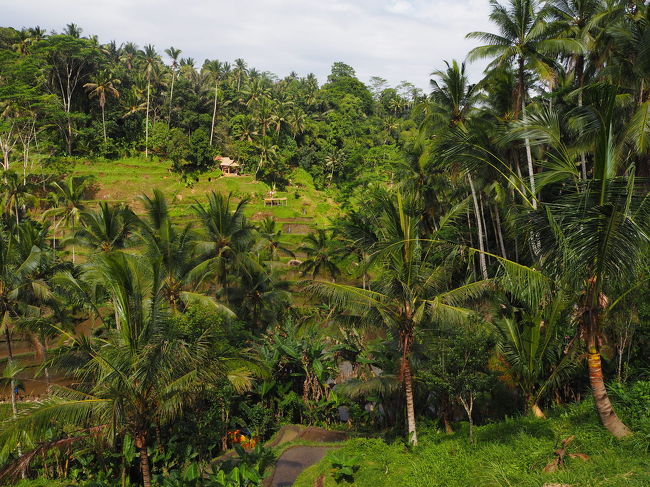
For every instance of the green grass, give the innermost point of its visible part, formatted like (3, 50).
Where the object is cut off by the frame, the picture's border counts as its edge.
(124, 180)
(511, 453)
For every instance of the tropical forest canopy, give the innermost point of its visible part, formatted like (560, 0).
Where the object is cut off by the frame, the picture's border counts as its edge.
(476, 252)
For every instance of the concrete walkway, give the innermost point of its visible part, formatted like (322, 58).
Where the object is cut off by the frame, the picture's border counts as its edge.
(293, 461)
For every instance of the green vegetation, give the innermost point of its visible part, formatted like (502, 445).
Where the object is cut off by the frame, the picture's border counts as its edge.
(435, 273)
(511, 452)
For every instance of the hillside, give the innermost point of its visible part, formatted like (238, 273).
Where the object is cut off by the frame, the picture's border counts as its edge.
(124, 180)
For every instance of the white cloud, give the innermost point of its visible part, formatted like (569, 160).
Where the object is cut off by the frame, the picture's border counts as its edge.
(394, 39)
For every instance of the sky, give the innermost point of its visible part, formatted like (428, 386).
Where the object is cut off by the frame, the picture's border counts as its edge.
(394, 39)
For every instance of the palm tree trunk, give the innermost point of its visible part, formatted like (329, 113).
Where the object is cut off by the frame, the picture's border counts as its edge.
(146, 125)
(479, 224)
(601, 399)
(214, 110)
(104, 123)
(520, 103)
(141, 443)
(171, 98)
(497, 218)
(537, 411)
(410, 408)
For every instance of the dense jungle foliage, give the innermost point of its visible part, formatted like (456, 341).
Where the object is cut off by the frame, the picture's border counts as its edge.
(481, 253)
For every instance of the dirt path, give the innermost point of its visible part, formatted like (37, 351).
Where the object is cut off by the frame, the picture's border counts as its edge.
(293, 461)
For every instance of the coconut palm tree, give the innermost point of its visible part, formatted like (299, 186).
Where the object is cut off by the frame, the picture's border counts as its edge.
(410, 291)
(534, 352)
(322, 254)
(149, 58)
(271, 239)
(579, 20)
(453, 99)
(525, 38)
(144, 372)
(68, 197)
(226, 238)
(215, 68)
(239, 72)
(109, 228)
(267, 150)
(173, 53)
(595, 235)
(15, 270)
(102, 87)
(175, 251)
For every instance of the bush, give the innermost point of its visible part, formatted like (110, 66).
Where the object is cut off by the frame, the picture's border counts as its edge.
(344, 467)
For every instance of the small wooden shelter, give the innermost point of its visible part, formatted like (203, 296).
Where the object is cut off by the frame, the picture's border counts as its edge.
(275, 201)
(228, 166)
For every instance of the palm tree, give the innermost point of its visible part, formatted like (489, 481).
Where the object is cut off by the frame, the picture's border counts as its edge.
(227, 237)
(129, 54)
(175, 252)
(16, 268)
(109, 228)
(578, 19)
(409, 292)
(297, 121)
(594, 237)
(525, 38)
(142, 373)
(173, 53)
(239, 72)
(532, 347)
(103, 86)
(260, 297)
(334, 160)
(68, 196)
(322, 255)
(149, 65)
(453, 99)
(271, 239)
(215, 68)
(267, 150)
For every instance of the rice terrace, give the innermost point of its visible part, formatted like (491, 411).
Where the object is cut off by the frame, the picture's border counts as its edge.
(228, 258)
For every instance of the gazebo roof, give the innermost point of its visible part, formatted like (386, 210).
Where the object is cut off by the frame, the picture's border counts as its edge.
(227, 162)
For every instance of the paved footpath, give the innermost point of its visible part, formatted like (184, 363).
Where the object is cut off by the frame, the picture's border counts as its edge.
(293, 461)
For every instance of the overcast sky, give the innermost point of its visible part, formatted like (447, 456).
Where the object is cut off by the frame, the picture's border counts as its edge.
(394, 39)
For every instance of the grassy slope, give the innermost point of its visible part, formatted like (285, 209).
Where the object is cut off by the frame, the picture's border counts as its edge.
(124, 180)
(507, 454)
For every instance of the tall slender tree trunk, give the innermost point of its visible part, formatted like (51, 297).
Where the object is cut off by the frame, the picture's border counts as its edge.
(214, 110)
(104, 123)
(141, 443)
(410, 406)
(171, 98)
(485, 227)
(601, 399)
(69, 137)
(146, 125)
(497, 218)
(479, 224)
(520, 107)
